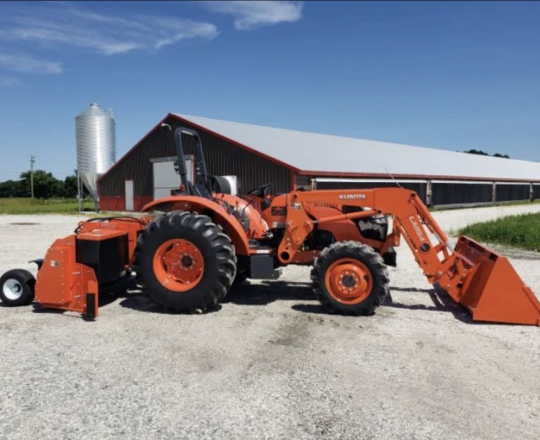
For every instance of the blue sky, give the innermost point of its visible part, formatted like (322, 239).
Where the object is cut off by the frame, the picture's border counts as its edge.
(452, 75)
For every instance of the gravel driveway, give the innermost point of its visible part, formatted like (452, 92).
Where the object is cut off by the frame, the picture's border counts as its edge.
(269, 363)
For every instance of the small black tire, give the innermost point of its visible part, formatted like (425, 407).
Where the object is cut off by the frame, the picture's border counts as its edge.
(214, 247)
(17, 288)
(370, 259)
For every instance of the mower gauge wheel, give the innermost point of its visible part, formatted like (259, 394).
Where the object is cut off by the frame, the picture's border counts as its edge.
(17, 288)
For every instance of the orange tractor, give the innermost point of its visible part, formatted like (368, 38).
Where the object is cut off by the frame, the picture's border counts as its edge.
(192, 246)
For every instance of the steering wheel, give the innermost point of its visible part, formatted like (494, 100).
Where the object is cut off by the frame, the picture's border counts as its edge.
(261, 191)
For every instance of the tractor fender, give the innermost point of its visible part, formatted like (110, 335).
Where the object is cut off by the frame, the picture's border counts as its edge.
(217, 213)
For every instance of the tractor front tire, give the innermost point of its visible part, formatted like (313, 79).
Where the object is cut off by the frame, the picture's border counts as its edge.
(17, 288)
(185, 262)
(350, 278)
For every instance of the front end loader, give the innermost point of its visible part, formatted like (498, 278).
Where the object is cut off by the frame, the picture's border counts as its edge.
(188, 249)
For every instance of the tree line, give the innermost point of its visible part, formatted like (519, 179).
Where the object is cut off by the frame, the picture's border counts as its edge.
(483, 153)
(46, 186)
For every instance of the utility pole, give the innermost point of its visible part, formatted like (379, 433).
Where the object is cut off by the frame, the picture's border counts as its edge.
(32, 160)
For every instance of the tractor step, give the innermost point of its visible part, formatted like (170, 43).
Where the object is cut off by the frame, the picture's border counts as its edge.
(262, 268)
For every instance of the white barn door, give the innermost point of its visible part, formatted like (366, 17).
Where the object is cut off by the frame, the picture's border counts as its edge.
(129, 195)
(165, 177)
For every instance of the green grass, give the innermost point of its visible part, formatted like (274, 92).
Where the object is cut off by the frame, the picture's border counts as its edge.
(37, 206)
(521, 231)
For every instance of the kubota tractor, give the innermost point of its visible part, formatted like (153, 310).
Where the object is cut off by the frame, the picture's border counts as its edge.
(192, 246)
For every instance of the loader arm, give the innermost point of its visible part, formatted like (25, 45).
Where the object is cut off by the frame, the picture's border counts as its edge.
(410, 219)
(473, 275)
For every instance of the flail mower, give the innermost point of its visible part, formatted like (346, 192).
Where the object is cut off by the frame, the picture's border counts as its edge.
(191, 247)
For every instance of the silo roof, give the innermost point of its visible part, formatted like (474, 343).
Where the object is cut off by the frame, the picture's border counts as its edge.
(312, 153)
(94, 110)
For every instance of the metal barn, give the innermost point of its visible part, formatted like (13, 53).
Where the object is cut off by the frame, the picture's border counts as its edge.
(290, 159)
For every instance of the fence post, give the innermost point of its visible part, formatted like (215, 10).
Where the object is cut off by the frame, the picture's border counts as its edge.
(531, 192)
(494, 195)
(429, 194)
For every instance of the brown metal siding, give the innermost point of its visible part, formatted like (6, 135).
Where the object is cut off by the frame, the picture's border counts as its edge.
(461, 193)
(303, 182)
(506, 193)
(536, 192)
(223, 158)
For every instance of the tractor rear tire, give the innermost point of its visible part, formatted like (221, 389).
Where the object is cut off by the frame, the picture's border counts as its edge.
(17, 288)
(185, 262)
(350, 278)
(240, 278)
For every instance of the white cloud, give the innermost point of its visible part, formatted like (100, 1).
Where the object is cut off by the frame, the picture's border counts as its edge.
(7, 81)
(104, 34)
(253, 14)
(25, 63)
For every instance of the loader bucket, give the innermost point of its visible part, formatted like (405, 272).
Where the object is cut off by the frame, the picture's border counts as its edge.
(491, 289)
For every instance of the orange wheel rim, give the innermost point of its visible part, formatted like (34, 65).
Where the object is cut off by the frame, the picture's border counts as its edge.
(178, 265)
(348, 281)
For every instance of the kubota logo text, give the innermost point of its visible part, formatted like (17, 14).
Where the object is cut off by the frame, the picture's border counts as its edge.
(352, 196)
(417, 228)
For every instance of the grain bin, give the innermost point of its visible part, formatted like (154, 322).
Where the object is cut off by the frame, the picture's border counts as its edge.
(96, 145)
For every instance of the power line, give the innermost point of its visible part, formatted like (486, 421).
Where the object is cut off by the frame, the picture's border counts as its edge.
(32, 161)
